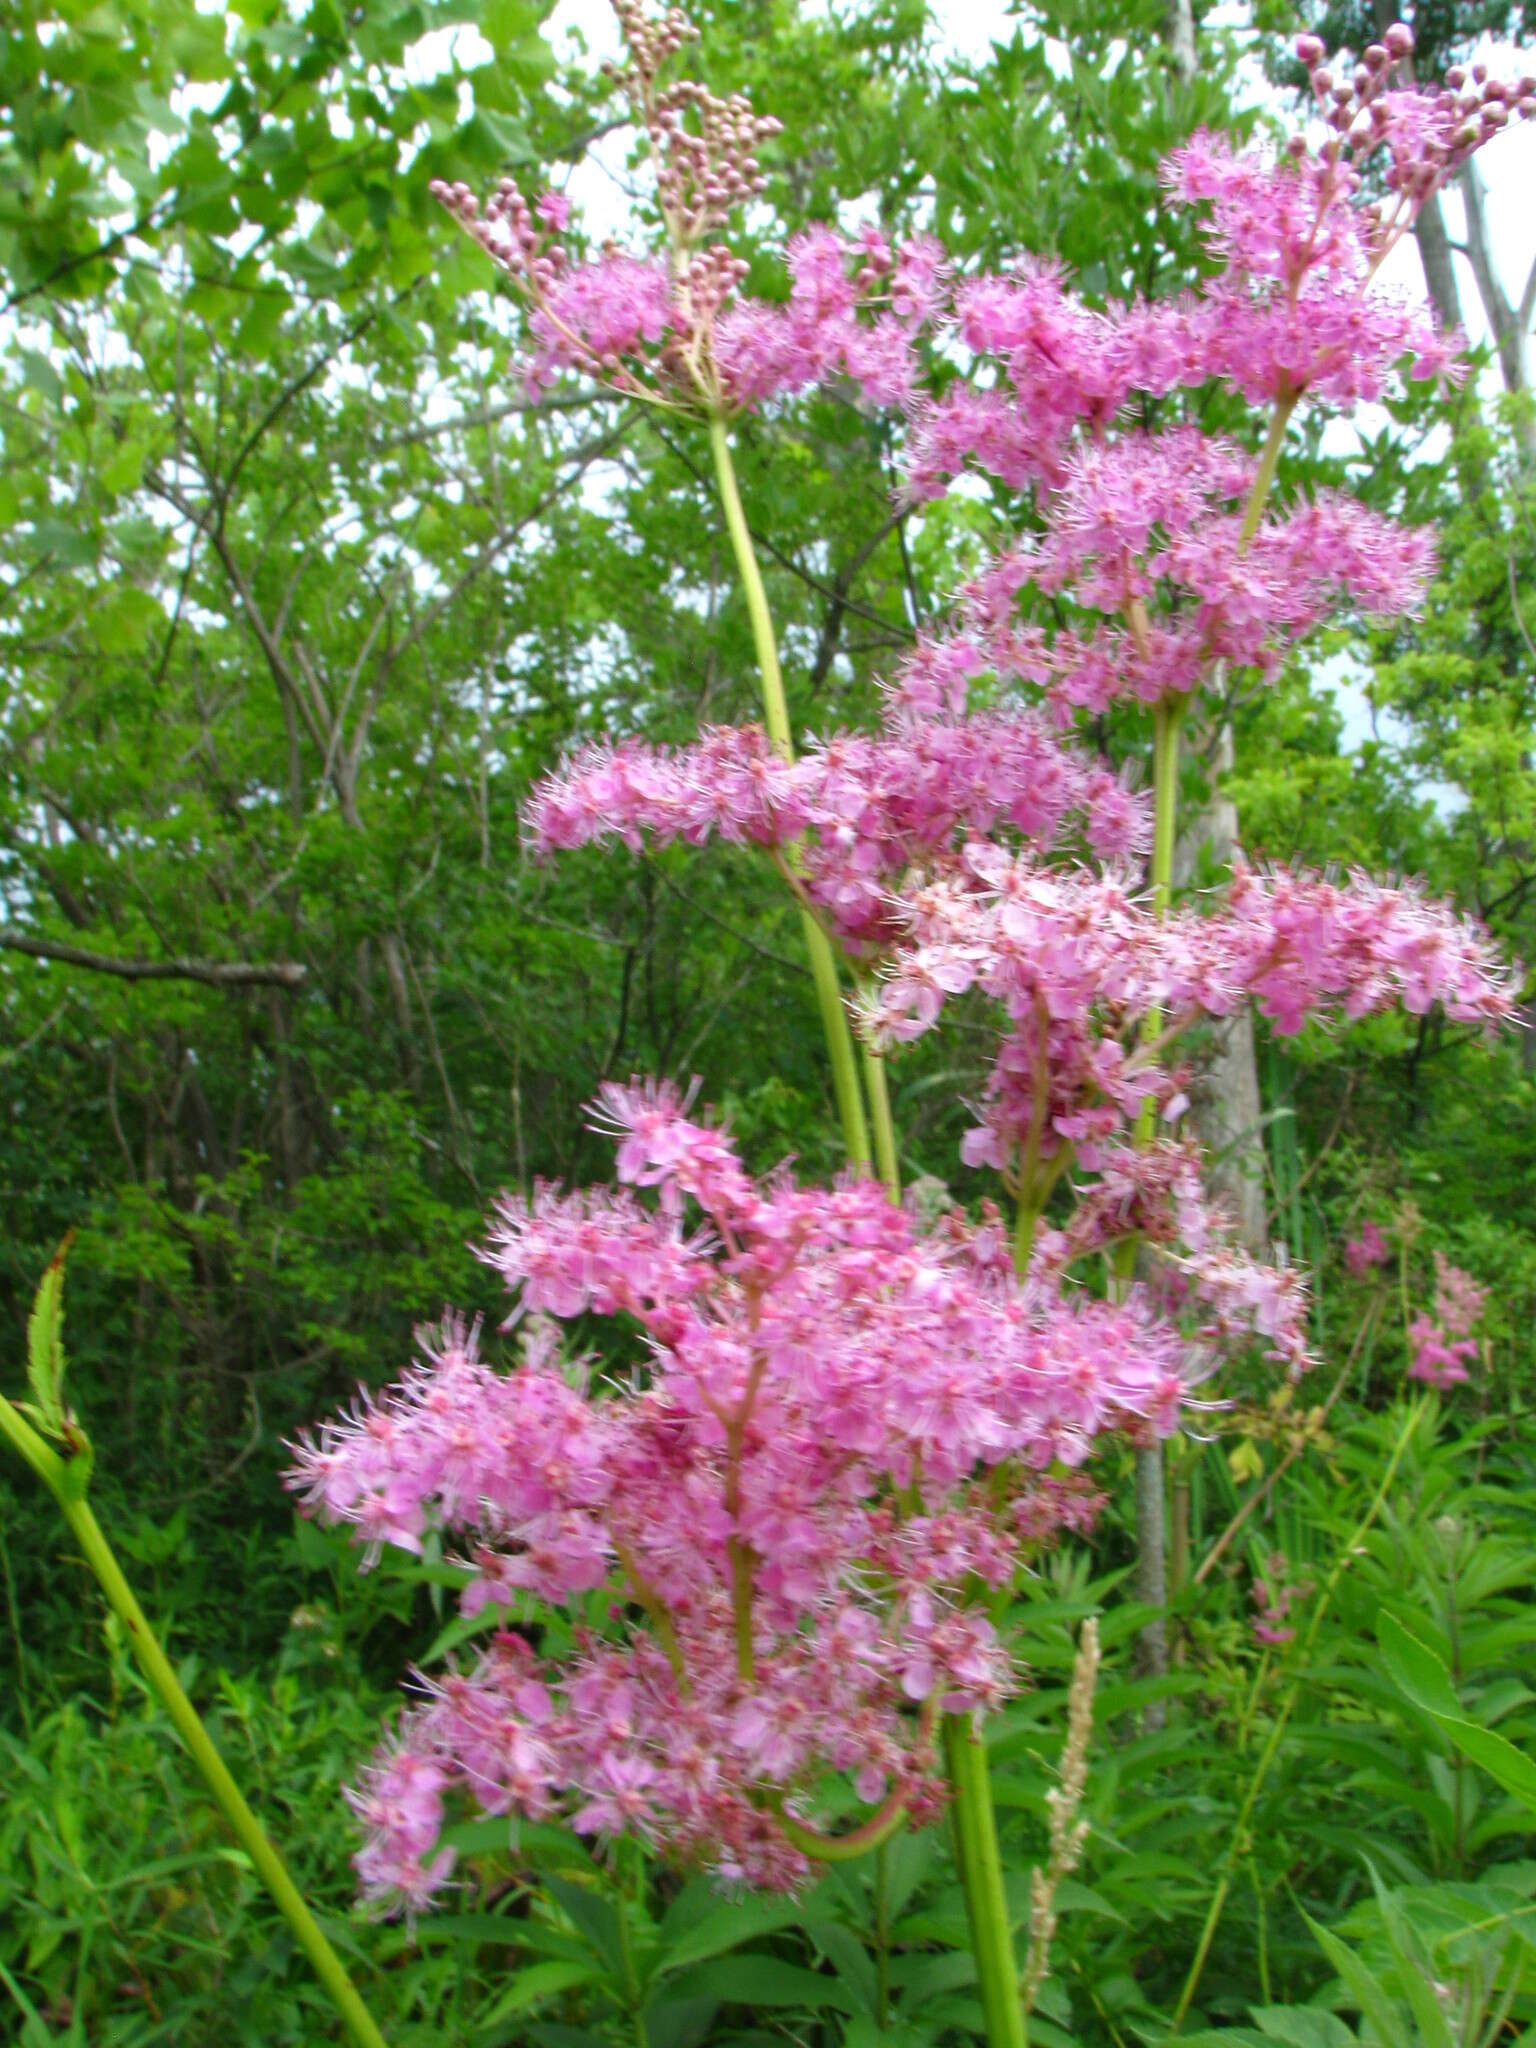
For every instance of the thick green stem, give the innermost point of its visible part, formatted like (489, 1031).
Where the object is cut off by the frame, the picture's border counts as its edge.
(1025, 1219)
(829, 998)
(54, 1471)
(981, 1876)
(882, 1936)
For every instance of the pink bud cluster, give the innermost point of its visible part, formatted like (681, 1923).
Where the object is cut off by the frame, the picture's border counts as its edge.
(864, 807)
(786, 1497)
(1426, 135)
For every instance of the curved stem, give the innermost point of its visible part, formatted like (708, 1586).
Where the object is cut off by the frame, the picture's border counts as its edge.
(829, 998)
(873, 1833)
(242, 1822)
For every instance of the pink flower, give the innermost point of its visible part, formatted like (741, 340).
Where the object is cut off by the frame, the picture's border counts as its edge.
(808, 1357)
(1369, 1249)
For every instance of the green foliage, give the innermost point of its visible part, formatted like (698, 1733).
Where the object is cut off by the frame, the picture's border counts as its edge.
(302, 595)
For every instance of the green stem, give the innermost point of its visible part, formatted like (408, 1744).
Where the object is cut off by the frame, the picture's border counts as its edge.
(1238, 1844)
(1167, 724)
(981, 1876)
(54, 1471)
(829, 999)
(880, 1116)
(1024, 1236)
(1264, 476)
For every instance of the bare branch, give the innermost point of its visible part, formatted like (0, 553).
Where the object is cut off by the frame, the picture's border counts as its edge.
(213, 973)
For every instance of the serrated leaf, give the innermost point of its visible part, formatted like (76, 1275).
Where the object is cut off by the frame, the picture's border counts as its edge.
(45, 1343)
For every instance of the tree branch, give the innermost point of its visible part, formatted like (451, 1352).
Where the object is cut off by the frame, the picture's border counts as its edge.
(213, 973)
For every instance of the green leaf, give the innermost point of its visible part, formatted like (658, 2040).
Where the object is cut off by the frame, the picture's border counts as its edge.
(1367, 1993)
(531, 1986)
(1417, 1671)
(45, 1344)
(687, 1941)
(679, 2022)
(479, 1837)
(1429, 2016)
(34, 2033)
(1423, 1679)
(756, 1980)
(595, 1918)
(1303, 2026)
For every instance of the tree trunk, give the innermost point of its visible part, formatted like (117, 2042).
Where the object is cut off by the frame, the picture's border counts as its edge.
(1179, 38)
(1511, 323)
(1439, 267)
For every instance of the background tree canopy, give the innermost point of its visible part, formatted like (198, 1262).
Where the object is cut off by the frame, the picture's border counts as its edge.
(302, 591)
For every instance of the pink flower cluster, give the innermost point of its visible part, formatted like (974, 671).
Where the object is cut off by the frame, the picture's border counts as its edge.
(1444, 1346)
(836, 1422)
(864, 807)
(786, 1496)
(1221, 1298)
(1293, 310)
(1145, 535)
(1077, 960)
(1369, 1249)
(678, 330)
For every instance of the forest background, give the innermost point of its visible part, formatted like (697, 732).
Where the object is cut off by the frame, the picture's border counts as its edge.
(301, 594)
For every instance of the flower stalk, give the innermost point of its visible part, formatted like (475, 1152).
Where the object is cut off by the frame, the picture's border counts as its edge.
(59, 1475)
(829, 998)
